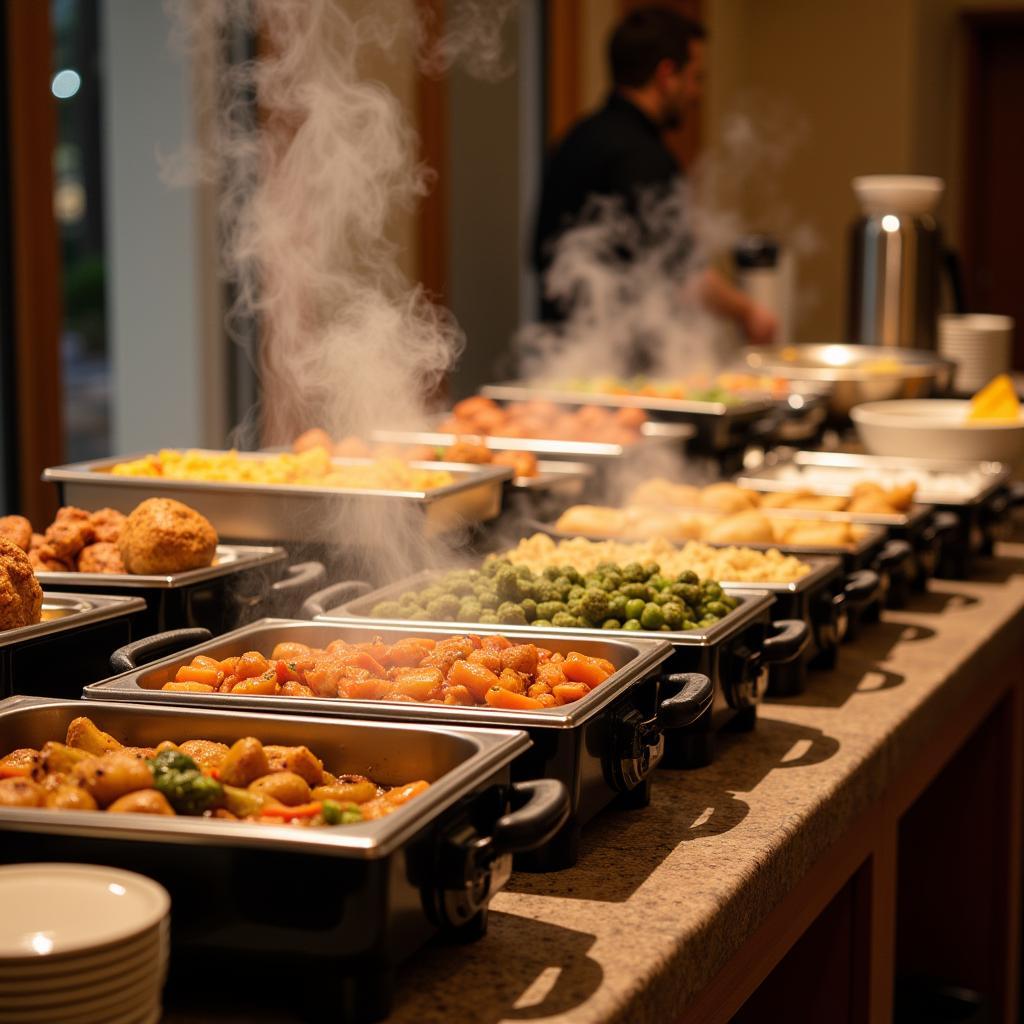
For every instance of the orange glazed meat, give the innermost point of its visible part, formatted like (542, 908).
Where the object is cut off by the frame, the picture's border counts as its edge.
(164, 536)
(21, 597)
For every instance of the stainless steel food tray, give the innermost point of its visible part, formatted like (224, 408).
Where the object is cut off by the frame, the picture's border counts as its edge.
(654, 434)
(287, 512)
(229, 559)
(634, 660)
(62, 612)
(849, 469)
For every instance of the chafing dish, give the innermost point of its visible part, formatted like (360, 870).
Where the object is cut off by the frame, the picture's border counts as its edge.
(856, 373)
(735, 654)
(722, 429)
(69, 647)
(289, 512)
(973, 499)
(602, 747)
(242, 584)
(347, 903)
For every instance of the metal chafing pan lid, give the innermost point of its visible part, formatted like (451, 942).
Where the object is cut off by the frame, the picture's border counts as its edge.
(638, 657)
(552, 473)
(494, 748)
(467, 475)
(230, 558)
(777, 475)
(71, 611)
(514, 391)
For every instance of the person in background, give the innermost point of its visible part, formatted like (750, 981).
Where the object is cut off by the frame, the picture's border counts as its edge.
(657, 65)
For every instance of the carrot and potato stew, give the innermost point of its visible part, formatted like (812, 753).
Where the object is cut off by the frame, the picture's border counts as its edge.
(92, 771)
(488, 671)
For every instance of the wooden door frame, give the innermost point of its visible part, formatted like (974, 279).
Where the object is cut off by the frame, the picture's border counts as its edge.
(35, 255)
(975, 23)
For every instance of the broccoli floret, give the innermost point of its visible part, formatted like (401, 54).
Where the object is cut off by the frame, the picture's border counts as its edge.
(572, 575)
(636, 590)
(675, 614)
(430, 594)
(187, 789)
(595, 605)
(506, 583)
(461, 588)
(541, 623)
(552, 572)
(469, 611)
(613, 580)
(611, 624)
(688, 576)
(651, 569)
(488, 599)
(548, 609)
(564, 619)
(387, 610)
(488, 619)
(617, 606)
(544, 590)
(421, 615)
(606, 567)
(493, 566)
(576, 592)
(658, 582)
(576, 609)
(523, 572)
(662, 597)
(444, 608)
(529, 607)
(633, 573)
(510, 614)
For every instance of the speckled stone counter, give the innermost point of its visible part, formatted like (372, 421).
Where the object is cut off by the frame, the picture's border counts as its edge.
(662, 898)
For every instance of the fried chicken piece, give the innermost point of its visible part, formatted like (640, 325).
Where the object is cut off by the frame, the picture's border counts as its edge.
(315, 438)
(524, 463)
(103, 556)
(70, 532)
(164, 536)
(467, 451)
(108, 524)
(21, 597)
(16, 529)
(44, 558)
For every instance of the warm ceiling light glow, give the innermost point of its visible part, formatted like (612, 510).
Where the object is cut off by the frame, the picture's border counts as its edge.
(65, 84)
(890, 223)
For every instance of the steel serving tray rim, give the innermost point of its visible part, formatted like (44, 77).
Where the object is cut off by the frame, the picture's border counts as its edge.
(643, 655)
(85, 609)
(89, 472)
(512, 391)
(766, 478)
(822, 566)
(378, 838)
(551, 473)
(230, 558)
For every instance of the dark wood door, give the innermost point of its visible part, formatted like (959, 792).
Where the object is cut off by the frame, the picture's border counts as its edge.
(993, 200)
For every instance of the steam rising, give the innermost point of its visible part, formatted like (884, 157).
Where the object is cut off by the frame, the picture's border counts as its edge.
(309, 191)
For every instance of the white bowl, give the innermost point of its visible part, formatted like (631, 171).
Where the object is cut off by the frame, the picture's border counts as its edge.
(59, 910)
(974, 325)
(935, 428)
(908, 194)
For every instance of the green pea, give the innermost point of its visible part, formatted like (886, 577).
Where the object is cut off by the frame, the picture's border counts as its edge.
(634, 608)
(633, 624)
(652, 617)
(717, 608)
(611, 624)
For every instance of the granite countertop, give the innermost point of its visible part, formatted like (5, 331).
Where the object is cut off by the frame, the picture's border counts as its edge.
(662, 898)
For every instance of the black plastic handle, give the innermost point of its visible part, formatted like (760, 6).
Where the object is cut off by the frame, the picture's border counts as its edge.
(138, 652)
(861, 587)
(300, 578)
(1014, 494)
(788, 642)
(943, 525)
(894, 554)
(694, 697)
(333, 596)
(541, 808)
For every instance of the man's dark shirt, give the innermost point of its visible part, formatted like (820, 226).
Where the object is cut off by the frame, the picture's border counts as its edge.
(617, 152)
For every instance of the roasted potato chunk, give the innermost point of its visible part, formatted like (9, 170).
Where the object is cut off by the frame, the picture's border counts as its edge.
(85, 735)
(243, 763)
(142, 801)
(69, 797)
(206, 753)
(20, 793)
(300, 760)
(285, 787)
(112, 775)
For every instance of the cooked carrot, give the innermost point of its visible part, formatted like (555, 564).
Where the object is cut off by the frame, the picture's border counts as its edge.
(498, 697)
(580, 669)
(228, 665)
(11, 771)
(477, 679)
(550, 674)
(287, 672)
(536, 689)
(495, 643)
(366, 688)
(419, 683)
(400, 794)
(262, 686)
(310, 810)
(375, 648)
(188, 686)
(547, 700)
(228, 683)
(195, 674)
(251, 664)
(293, 689)
(567, 693)
(202, 661)
(288, 650)
(509, 679)
(363, 660)
(405, 653)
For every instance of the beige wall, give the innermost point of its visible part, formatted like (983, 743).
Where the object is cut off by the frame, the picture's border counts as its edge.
(877, 86)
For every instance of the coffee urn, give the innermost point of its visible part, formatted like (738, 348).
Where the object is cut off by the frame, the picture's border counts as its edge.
(895, 260)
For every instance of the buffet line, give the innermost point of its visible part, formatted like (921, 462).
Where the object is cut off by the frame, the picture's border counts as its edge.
(201, 681)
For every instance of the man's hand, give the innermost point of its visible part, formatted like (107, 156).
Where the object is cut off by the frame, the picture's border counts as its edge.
(760, 324)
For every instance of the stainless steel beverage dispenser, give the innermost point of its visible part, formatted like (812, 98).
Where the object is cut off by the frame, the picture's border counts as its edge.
(895, 260)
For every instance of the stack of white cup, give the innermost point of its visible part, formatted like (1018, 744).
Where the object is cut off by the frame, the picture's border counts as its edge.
(981, 344)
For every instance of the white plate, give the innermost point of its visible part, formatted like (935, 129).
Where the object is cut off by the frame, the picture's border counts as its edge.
(47, 970)
(141, 974)
(130, 1004)
(922, 428)
(52, 910)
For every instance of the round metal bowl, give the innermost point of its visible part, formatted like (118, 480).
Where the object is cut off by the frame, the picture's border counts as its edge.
(857, 373)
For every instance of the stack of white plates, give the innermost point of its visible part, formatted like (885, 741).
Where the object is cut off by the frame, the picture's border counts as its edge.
(81, 944)
(981, 345)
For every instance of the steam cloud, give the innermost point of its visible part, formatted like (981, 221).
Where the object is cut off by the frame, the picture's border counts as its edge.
(308, 195)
